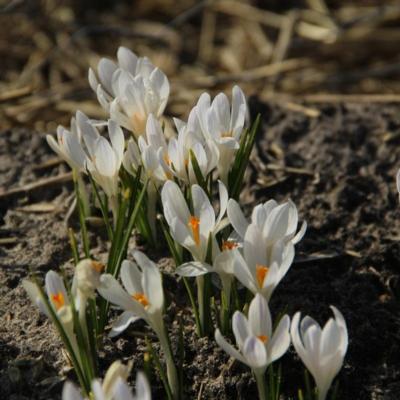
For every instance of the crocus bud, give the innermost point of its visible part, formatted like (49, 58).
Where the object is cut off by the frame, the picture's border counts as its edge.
(87, 276)
(115, 371)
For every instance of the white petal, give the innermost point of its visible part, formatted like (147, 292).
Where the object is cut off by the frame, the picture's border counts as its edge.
(193, 268)
(71, 392)
(227, 347)
(243, 273)
(143, 391)
(223, 201)
(172, 196)
(280, 340)
(117, 139)
(104, 158)
(127, 59)
(240, 328)
(255, 353)
(121, 390)
(236, 218)
(260, 317)
(131, 277)
(105, 69)
(122, 322)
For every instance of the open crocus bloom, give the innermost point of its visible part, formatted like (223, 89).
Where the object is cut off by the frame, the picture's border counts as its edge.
(190, 139)
(143, 297)
(224, 125)
(274, 222)
(193, 230)
(69, 144)
(321, 350)
(114, 386)
(258, 346)
(104, 158)
(130, 90)
(260, 268)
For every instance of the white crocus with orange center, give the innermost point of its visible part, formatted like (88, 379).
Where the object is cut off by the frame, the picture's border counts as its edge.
(131, 90)
(193, 230)
(321, 350)
(258, 345)
(141, 298)
(59, 302)
(114, 386)
(260, 268)
(224, 124)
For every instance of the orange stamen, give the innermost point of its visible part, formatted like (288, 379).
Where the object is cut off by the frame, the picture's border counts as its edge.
(141, 298)
(58, 300)
(229, 245)
(194, 224)
(186, 162)
(261, 273)
(98, 266)
(263, 338)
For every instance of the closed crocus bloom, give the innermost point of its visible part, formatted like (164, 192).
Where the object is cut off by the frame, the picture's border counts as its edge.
(130, 90)
(105, 157)
(193, 230)
(69, 144)
(275, 222)
(189, 140)
(260, 268)
(258, 345)
(224, 124)
(321, 350)
(114, 386)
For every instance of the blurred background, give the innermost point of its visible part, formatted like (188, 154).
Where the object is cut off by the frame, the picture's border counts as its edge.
(290, 52)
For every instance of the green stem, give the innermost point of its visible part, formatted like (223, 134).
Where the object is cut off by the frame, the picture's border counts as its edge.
(261, 387)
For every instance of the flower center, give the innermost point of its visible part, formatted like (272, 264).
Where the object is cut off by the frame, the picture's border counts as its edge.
(138, 123)
(141, 298)
(229, 245)
(263, 338)
(261, 273)
(98, 266)
(194, 224)
(58, 300)
(226, 134)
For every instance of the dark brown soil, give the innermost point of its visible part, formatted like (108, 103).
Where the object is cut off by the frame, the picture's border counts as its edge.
(339, 168)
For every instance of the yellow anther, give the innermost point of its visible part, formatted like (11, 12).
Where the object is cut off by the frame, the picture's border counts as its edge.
(229, 245)
(261, 273)
(263, 338)
(141, 298)
(58, 300)
(98, 266)
(194, 224)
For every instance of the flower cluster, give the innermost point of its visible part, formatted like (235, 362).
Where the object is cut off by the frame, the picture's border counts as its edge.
(184, 184)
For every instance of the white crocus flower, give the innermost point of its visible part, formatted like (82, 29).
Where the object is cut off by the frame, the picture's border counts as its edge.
(104, 157)
(224, 124)
(258, 346)
(275, 222)
(143, 298)
(69, 147)
(69, 144)
(190, 139)
(261, 268)
(130, 90)
(59, 302)
(193, 230)
(114, 386)
(321, 350)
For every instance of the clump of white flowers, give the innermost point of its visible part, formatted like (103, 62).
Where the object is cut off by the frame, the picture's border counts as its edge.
(181, 189)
